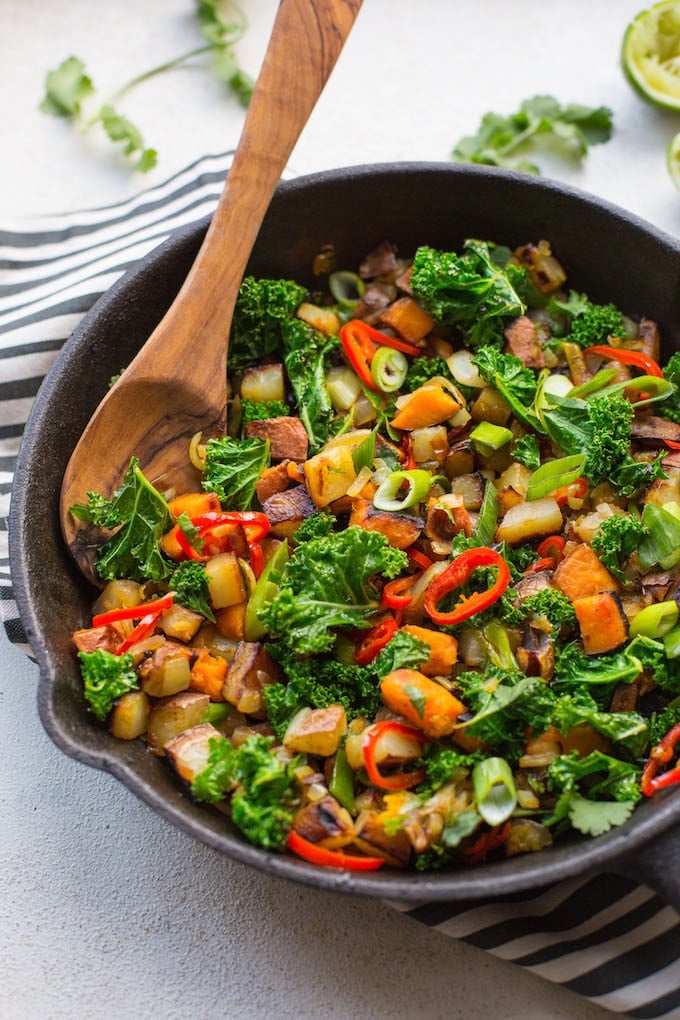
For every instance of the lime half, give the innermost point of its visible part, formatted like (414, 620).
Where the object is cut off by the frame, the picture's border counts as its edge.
(673, 160)
(651, 54)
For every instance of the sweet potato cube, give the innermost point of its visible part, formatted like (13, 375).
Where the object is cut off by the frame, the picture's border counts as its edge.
(429, 404)
(408, 319)
(602, 621)
(207, 675)
(581, 573)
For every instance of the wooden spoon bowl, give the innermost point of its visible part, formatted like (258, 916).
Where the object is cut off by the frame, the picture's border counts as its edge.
(176, 385)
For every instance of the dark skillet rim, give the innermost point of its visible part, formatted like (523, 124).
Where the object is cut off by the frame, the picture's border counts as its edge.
(495, 879)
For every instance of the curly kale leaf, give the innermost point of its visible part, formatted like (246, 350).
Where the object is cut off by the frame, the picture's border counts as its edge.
(262, 308)
(576, 672)
(106, 677)
(629, 729)
(327, 583)
(514, 381)
(262, 787)
(471, 291)
(422, 369)
(318, 525)
(652, 657)
(259, 410)
(616, 538)
(584, 322)
(142, 517)
(503, 712)
(442, 764)
(550, 603)
(189, 581)
(306, 358)
(525, 451)
(232, 469)
(671, 372)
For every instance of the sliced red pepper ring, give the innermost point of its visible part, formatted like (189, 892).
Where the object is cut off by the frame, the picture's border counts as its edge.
(545, 563)
(575, 490)
(360, 342)
(397, 594)
(398, 780)
(455, 575)
(484, 844)
(552, 547)
(376, 639)
(419, 558)
(185, 545)
(157, 606)
(671, 444)
(330, 858)
(626, 357)
(254, 523)
(661, 754)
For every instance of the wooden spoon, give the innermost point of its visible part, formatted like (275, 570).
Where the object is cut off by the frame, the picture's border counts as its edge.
(176, 384)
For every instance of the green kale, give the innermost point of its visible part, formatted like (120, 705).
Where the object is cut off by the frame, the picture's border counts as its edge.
(502, 140)
(550, 603)
(134, 551)
(402, 651)
(319, 525)
(587, 324)
(629, 729)
(306, 358)
(502, 713)
(189, 581)
(616, 538)
(261, 310)
(258, 410)
(232, 469)
(470, 290)
(607, 777)
(575, 671)
(263, 795)
(661, 722)
(652, 657)
(671, 372)
(317, 682)
(330, 582)
(601, 429)
(106, 677)
(514, 381)
(525, 451)
(422, 369)
(442, 764)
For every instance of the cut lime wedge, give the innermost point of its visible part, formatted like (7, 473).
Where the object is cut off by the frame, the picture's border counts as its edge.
(650, 54)
(673, 160)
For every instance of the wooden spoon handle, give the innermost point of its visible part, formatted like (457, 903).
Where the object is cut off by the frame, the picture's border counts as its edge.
(306, 41)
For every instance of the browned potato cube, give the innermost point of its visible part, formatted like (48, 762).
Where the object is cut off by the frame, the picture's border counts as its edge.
(172, 716)
(316, 731)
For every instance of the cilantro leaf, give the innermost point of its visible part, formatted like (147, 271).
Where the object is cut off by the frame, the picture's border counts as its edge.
(502, 140)
(595, 817)
(65, 89)
(120, 129)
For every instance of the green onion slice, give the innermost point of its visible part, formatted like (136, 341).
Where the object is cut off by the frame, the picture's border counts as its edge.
(363, 455)
(388, 369)
(346, 287)
(594, 385)
(494, 790)
(656, 620)
(485, 528)
(389, 495)
(554, 474)
(650, 387)
(662, 544)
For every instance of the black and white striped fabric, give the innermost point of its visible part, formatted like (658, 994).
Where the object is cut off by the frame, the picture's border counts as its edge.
(608, 939)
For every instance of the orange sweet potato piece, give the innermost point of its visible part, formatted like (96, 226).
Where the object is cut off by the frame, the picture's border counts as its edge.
(429, 404)
(408, 319)
(443, 649)
(602, 621)
(425, 703)
(208, 674)
(193, 503)
(581, 573)
(400, 530)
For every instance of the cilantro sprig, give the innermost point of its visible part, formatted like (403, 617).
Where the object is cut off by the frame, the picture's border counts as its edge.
(71, 93)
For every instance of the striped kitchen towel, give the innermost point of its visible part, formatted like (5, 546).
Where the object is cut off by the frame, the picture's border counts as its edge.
(606, 938)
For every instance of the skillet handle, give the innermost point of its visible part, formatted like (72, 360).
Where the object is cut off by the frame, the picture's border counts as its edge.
(657, 865)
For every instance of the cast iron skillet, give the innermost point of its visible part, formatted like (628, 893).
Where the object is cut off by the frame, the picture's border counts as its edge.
(609, 254)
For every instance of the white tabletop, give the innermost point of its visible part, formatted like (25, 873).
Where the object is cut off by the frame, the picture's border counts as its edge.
(105, 910)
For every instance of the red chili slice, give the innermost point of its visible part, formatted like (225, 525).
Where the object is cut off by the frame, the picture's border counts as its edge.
(398, 780)
(376, 639)
(156, 606)
(626, 357)
(661, 754)
(330, 858)
(456, 574)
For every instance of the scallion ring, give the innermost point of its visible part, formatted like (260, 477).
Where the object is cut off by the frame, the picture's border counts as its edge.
(656, 620)
(494, 790)
(389, 495)
(388, 369)
(555, 474)
(346, 287)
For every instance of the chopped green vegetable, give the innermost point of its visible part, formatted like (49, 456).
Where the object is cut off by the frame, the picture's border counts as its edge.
(503, 140)
(306, 357)
(616, 539)
(526, 451)
(66, 88)
(106, 677)
(259, 410)
(551, 604)
(514, 381)
(232, 468)
(189, 581)
(422, 369)
(469, 290)
(261, 309)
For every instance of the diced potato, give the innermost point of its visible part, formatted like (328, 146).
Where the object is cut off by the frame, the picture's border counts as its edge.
(225, 580)
(167, 671)
(189, 751)
(130, 715)
(343, 387)
(331, 471)
(460, 459)
(172, 716)
(512, 485)
(325, 822)
(119, 595)
(250, 670)
(316, 731)
(525, 521)
(471, 488)
(231, 621)
(266, 383)
(193, 504)
(372, 839)
(180, 622)
(429, 444)
(323, 319)
(491, 406)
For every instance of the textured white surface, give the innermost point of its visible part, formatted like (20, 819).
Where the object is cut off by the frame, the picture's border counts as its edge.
(105, 910)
